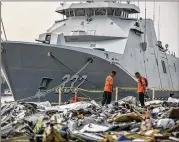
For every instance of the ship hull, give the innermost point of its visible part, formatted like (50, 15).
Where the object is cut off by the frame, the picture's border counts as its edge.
(25, 65)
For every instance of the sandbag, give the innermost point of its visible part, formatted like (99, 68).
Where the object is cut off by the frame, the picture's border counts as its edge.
(128, 118)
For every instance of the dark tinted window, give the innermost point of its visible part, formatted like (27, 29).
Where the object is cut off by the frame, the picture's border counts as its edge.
(118, 12)
(79, 12)
(100, 11)
(110, 11)
(71, 13)
(67, 13)
(89, 12)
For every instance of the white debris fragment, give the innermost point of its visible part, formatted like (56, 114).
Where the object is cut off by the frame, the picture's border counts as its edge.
(73, 106)
(94, 128)
(158, 110)
(173, 100)
(153, 102)
(165, 123)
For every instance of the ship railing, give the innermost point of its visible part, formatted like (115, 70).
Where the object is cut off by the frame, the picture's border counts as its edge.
(119, 92)
(153, 91)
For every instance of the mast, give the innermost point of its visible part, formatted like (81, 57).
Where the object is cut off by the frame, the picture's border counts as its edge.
(159, 24)
(138, 13)
(145, 23)
(145, 43)
(154, 12)
(0, 63)
(3, 29)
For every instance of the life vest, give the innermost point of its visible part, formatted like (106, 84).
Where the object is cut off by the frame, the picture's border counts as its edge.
(108, 84)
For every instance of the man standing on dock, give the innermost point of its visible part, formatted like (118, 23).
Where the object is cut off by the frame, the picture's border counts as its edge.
(141, 89)
(108, 89)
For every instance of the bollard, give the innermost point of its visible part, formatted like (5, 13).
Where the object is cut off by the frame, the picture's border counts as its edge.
(153, 94)
(117, 93)
(76, 97)
(60, 96)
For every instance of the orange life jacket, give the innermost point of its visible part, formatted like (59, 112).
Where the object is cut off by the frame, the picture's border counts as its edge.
(141, 85)
(108, 84)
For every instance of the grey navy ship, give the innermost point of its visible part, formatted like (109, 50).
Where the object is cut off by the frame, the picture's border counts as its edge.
(81, 49)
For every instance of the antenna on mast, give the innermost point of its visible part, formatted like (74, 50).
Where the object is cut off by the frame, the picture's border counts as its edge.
(145, 23)
(0, 49)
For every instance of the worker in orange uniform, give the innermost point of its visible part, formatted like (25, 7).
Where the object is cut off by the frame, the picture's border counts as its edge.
(108, 89)
(141, 89)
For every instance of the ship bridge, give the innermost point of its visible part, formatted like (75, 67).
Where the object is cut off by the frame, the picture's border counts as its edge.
(95, 25)
(94, 21)
(98, 8)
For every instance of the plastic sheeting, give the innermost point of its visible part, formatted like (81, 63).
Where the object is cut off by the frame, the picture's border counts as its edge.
(158, 110)
(73, 106)
(128, 99)
(94, 128)
(153, 102)
(173, 100)
(165, 123)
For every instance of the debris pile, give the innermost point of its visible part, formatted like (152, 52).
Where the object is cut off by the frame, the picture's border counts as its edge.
(90, 122)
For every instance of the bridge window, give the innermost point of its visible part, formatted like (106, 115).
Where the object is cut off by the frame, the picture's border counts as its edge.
(117, 12)
(67, 13)
(90, 32)
(164, 67)
(122, 13)
(71, 13)
(79, 12)
(110, 11)
(48, 38)
(125, 14)
(100, 11)
(89, 12)
(77, 33)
